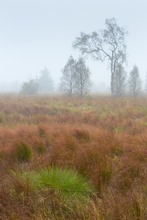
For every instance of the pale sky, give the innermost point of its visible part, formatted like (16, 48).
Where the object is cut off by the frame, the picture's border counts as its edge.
(38, 33)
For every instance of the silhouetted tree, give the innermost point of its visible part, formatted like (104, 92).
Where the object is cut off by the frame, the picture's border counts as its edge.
(67, 85)
(75, 78)
(145, 88)
(134, 82)
(120, 81)
(30, 88)
(108, 44)
(82, 78)
(45, 82)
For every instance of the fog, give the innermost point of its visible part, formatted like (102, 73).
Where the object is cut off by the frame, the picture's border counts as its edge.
(39, 33)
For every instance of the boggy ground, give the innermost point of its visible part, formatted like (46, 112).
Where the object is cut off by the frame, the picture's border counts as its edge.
(101, 139)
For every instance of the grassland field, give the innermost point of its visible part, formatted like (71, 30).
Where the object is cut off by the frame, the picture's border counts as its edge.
(73, 158)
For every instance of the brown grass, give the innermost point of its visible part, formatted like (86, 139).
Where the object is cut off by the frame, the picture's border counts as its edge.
(102, 138)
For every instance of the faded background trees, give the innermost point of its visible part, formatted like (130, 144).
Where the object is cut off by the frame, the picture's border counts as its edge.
(42, 85)
(134, 82)
(106, 45)
(30, 88)
(82, 78)
(68, 77)
(45, 82)
(120, 81)
(75, 78)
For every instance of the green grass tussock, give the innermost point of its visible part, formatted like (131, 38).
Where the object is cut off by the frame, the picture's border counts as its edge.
(67, 182)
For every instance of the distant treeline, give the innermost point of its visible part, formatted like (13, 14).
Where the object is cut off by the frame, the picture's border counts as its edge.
(106, 45)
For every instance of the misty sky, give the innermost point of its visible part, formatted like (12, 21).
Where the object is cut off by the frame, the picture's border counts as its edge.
(38, 33)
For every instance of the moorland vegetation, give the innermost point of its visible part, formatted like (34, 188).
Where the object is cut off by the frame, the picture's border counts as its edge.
(73, 158)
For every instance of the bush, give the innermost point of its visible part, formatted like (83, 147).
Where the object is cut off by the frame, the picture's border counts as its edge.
(29, 88)
(23, 153)
(82, 134)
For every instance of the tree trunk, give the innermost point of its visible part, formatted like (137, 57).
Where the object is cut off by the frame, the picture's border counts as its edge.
(112, 76)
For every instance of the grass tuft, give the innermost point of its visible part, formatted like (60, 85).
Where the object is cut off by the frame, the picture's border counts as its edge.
(23, 152)
(66, 182)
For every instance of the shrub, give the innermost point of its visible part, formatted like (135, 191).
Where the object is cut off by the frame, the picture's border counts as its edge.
(82, 134)
(2, 117)
(23, 152)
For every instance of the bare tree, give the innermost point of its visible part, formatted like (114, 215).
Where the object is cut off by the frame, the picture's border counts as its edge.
(76, 78)
(82, 78)
(134, 82)
(45, 82)
(108, 44)
(68, 77)
(120, 81)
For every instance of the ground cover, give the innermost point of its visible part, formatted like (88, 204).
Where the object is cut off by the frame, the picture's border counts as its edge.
(72, 158)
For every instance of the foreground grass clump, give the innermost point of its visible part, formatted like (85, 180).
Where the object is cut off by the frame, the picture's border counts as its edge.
(67, 182)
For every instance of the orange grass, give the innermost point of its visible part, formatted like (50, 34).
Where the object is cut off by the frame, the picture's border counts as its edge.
(102, 138)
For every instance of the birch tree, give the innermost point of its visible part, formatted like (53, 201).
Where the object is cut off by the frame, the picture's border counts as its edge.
(106, 45)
